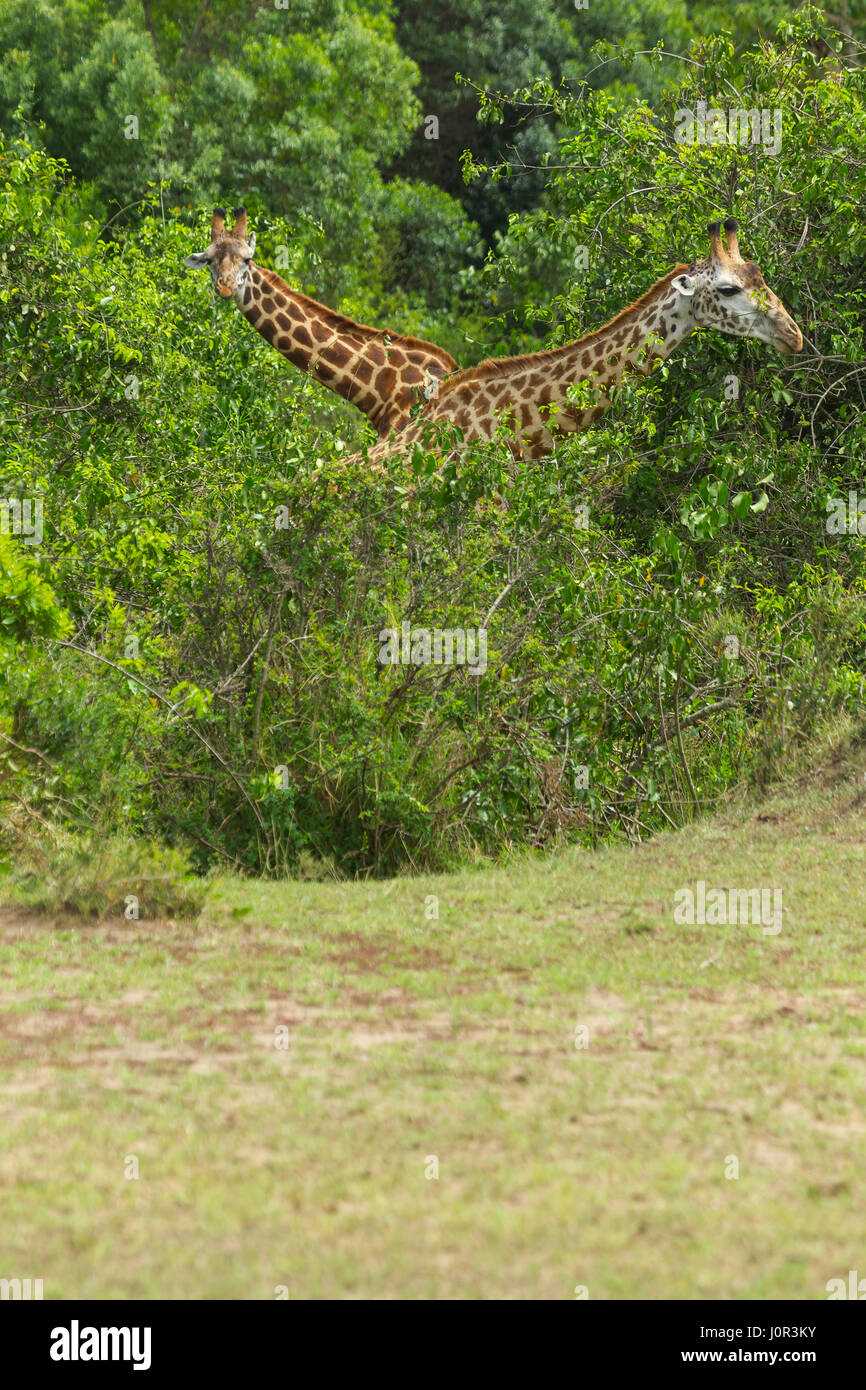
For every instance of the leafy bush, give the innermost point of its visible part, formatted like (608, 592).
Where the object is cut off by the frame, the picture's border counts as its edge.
(94, 877)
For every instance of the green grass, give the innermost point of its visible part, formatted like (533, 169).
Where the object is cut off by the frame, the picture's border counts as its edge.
(408, 1037)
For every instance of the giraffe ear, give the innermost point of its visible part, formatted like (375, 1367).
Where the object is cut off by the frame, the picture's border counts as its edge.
(684, 283)
(197, 260)
(251, 243)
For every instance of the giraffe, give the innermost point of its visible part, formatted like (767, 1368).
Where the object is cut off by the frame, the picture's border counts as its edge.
(530, 392)
(380, 372)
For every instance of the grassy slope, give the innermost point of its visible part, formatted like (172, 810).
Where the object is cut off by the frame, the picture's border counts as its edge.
(602, 1167)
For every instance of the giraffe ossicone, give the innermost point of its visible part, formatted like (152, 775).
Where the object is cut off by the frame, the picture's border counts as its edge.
(381, 372)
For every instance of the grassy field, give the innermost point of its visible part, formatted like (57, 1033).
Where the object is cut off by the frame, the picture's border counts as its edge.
(309, 1166)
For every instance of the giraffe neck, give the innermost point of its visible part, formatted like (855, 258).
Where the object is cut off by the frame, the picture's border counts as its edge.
(526, 387)
(648, 329)
(357, 362)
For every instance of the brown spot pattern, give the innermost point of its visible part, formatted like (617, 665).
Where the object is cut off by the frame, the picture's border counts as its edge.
(386, 381)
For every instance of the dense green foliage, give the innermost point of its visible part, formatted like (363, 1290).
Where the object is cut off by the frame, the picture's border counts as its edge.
(190, 654)
(205, 100)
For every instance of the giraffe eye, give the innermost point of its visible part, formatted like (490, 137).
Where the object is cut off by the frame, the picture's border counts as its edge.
(728, 290)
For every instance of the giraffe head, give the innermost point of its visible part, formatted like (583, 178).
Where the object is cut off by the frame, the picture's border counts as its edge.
(229, 254)
(723, 291)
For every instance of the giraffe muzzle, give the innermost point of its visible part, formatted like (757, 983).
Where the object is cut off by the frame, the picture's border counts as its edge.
(790, 339)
